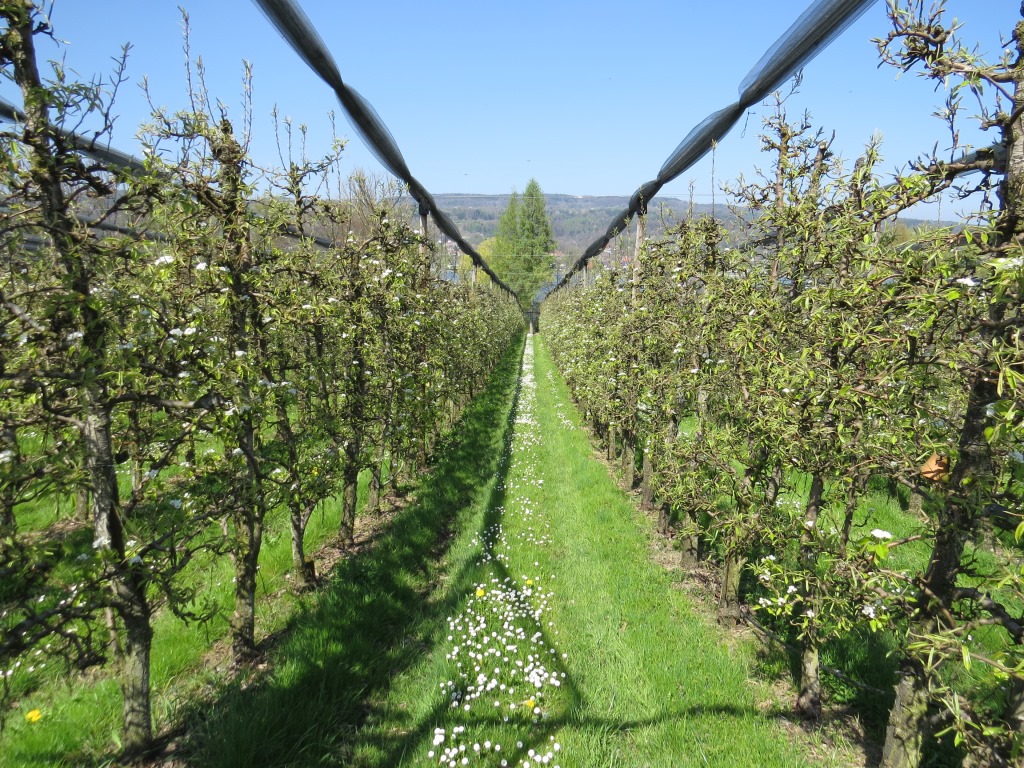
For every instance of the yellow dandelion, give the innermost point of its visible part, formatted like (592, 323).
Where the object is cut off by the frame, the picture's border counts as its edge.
(480, 592)
(529, 703)
(529, 582)
(34, 716)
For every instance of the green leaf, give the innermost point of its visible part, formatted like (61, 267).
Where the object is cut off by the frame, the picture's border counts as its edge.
(966, 653)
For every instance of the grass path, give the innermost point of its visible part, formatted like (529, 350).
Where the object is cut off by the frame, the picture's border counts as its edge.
(565, 645)
(509, 616)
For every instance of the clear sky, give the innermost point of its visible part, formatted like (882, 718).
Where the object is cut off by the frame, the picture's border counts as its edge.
(589, 97)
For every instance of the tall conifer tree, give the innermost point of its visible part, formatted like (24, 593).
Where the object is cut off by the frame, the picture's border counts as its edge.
(523, 244)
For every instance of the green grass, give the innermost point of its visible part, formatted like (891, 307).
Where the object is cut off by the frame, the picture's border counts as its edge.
(82, 713)
(648, 681)
(360, 673)
(657, 684)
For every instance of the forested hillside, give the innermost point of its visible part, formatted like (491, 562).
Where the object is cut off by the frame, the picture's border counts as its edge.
(576, 218)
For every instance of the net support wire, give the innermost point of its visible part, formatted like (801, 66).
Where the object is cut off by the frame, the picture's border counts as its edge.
(293, 25)
(821, 23)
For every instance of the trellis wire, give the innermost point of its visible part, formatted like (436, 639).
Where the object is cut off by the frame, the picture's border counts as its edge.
(816, 27)
(296, 29)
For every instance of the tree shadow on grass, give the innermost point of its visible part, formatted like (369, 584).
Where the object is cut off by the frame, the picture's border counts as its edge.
(392, 740)
(374, 619)
(397, 748)
(401, 738)
(383, 611)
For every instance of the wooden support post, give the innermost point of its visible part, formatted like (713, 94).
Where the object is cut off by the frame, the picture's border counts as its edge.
(647, 478)
(424, 212)
(641, 226)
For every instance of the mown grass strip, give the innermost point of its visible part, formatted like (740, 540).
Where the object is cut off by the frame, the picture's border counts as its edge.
(648, 681)
(81, 715)
(656, 684)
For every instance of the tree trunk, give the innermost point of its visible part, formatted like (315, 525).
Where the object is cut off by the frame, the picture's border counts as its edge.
(113, 638)
(665, 510)
(134, 465)
(852, 496)
(664, 518)
(99, 464)
(373, 489)
(395, 470)
(376, 480)
(628, 461)
(49, 168)
(689, 551)
(702, 404)
(916, 506)
(83, 506)
(646, 479)
(246, 335)
(8, 493)
(135, 667)
(808, 700)
(302, 569)
(907, 721)
(904, 734)
(729, 598)
(8, 525)
(348, 504)
(1014, 711)
(248, 539)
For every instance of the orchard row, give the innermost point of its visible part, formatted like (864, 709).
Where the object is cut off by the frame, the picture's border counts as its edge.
(761, 388)
(188, 349)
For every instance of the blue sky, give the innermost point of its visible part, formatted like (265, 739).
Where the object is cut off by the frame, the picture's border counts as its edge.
(588, 98)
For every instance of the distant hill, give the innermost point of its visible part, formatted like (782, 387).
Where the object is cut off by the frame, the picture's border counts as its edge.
(578, 220)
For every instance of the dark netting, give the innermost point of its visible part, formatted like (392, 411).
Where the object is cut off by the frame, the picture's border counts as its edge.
(447, 226)
(294, 27)
(642, 197)
(112, 157)
(818, 26)
(421, 195)
(592, 250)
(373, 131)
(618, 224)
(698, 141)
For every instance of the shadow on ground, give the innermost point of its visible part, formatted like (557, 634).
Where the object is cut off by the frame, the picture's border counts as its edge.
(372, 620)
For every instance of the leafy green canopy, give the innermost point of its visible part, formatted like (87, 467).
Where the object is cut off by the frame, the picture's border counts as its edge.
(523, 244)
